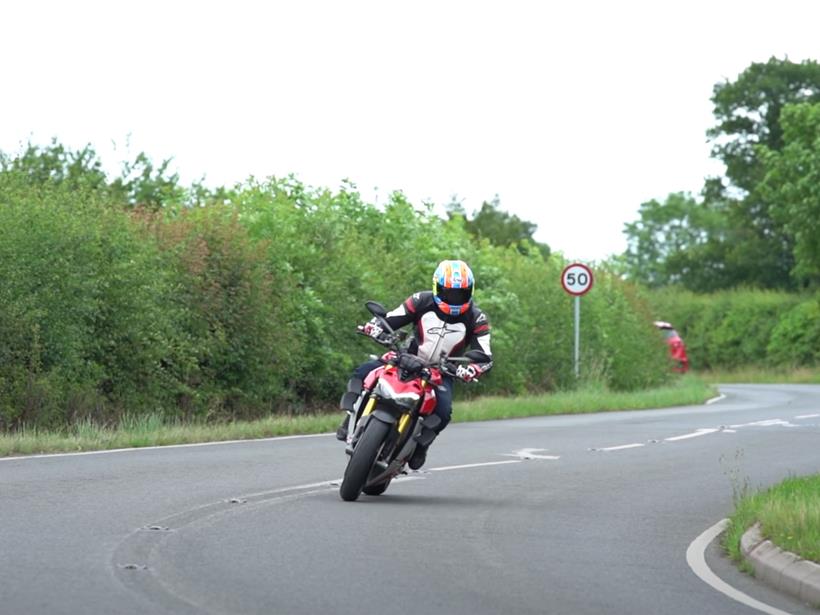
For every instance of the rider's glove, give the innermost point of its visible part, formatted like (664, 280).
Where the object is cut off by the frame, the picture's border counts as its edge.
(468, 373)
(373, 329)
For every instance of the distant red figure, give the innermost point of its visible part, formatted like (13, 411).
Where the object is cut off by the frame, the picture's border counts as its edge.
(677, 349)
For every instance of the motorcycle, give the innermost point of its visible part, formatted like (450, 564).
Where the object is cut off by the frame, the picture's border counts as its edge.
(391, 412)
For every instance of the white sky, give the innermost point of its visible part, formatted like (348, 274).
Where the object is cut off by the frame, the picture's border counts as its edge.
(574, 113)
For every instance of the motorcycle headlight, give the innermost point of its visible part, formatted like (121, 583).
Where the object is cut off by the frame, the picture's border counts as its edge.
(406, 399)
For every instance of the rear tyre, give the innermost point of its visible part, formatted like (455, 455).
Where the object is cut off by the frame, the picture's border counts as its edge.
(365, 453)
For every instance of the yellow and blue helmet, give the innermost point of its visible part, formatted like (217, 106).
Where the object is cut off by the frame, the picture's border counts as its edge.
(453, 287)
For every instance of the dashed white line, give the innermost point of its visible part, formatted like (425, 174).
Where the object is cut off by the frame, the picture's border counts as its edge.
(531, 453)
(715, 399)
(695, 434)
(807, 416)
(766, 423)
(696, 558)
(620, 448)
(474, 465)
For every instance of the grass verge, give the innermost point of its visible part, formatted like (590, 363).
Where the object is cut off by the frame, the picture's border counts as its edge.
(684, 391)
(759, 375)
(151, 430)
(789, 516)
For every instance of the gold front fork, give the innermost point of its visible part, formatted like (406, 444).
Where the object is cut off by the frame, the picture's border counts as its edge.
(404, 421)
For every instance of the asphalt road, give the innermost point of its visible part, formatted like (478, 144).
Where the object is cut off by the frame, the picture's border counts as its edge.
(598, 520)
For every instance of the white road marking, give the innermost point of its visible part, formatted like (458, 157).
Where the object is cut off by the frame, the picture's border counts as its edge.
(807, 416)
(715, 399)
(474, 465)
(151, 448)
(403, 478)
(695, 434)
(619, 448)
(530, 453)
(696, 558)
(324, 483)
(766, 423)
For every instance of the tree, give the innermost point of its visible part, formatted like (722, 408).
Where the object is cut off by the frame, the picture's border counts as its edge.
(791, 185)
(498, 227)
(140, 183)
(748, 114)
(737, 235)
(678, 241)
(57, 164)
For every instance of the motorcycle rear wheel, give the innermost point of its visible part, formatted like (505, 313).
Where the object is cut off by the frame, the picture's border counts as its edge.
(361, 462)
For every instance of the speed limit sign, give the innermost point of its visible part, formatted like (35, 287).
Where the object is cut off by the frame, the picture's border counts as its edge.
(576, 279)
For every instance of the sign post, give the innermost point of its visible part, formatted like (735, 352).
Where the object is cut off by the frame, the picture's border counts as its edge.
(577, 280)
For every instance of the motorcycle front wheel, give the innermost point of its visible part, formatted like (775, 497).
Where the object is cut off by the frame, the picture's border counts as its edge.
(377, 489)
(364, 455)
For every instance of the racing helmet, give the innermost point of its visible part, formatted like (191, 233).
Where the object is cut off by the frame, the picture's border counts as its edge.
(453, 287)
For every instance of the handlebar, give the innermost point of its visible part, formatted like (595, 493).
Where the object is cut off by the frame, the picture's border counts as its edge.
(391, 339)
(385, 339)
(448, 366)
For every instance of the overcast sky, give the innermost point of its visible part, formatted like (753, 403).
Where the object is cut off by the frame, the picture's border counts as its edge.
(574, 113)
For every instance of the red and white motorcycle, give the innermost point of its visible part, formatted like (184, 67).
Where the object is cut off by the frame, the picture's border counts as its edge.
(391, 412)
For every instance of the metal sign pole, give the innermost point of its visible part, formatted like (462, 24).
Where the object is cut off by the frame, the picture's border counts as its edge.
(577, 337)
(576, 278)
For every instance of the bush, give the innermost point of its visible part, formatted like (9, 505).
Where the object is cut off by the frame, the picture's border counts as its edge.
(83, 322)
(246, 304)
(731, 329)
(795, 339)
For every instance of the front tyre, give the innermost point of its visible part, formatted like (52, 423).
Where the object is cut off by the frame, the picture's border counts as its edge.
(361, 462)
(377, 489)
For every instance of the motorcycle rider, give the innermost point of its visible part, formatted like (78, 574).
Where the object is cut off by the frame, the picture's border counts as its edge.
(445, 322)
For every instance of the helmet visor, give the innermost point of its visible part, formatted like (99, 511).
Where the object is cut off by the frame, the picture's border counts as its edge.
(454, 296)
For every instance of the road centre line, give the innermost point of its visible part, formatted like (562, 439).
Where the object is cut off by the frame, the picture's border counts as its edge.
(695, 434)
(531, 453)
(324, 483)
(474, 465)
(766, 423)
(620, 448)
(710, 430)
(696, 558)
(714, 400)
(401, 477)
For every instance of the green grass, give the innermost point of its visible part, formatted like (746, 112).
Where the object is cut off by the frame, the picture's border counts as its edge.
(760, 375)
(789, 516)
(684, 391)
(151, 430)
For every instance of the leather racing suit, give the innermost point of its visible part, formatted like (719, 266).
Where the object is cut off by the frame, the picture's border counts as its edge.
(436, 334)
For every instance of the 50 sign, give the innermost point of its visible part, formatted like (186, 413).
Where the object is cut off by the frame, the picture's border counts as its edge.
(576, 279)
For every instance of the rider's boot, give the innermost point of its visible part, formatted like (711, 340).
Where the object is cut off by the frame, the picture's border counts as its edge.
(341, 432)
(431, 428)
(350, 399)
(418, 457)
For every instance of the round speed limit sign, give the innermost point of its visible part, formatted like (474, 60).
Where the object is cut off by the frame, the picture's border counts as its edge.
(576, 279)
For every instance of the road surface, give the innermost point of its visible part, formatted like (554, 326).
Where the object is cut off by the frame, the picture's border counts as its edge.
(568, 514)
